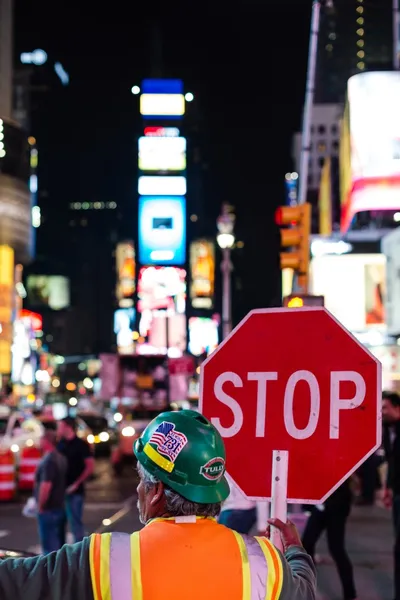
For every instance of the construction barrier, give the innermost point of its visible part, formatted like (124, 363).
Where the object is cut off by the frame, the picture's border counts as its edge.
(29, 460)
(7, 476)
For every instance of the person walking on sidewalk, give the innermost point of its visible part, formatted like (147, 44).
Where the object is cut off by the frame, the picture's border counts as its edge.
(391, 496)
(49, 492)
(80, 468)
(332, 517)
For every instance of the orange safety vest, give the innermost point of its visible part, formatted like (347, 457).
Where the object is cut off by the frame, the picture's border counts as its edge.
(184, 558)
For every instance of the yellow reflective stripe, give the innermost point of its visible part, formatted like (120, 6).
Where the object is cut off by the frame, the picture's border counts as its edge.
(160, 461)
(275, 570)
(105, 566)
(246, 595)
(137, 590)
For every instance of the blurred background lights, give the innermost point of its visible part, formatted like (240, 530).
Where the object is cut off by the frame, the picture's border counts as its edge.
(189, 97)
(135, 90)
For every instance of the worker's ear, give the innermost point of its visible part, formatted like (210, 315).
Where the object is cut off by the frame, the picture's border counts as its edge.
(158, 494)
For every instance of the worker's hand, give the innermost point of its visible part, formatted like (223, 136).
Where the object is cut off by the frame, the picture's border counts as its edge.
(71, 489)
(387, 498)
(289, 534)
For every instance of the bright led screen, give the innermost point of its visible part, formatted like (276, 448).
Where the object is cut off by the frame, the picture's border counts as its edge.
(162, 186)
(162, 105)
(162, 154)
(162, 230)
(374, 121)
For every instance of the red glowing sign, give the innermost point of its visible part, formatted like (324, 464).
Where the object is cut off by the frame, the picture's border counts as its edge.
(35, 318)
(161, 132)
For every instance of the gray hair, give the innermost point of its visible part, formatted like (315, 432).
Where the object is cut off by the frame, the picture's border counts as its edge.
(175, 504)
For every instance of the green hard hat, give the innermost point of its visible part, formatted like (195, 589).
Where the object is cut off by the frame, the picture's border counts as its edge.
(186, 452)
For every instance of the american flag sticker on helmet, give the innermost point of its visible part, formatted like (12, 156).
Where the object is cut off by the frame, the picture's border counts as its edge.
(168, 441)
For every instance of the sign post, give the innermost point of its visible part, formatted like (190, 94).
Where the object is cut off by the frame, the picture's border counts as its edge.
(297, 400)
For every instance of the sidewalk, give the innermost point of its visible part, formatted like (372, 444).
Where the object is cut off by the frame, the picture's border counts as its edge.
(370, 544)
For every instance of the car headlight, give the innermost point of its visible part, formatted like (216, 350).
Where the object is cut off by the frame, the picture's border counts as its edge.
(128, 431)
(104, 436)
(90, 438)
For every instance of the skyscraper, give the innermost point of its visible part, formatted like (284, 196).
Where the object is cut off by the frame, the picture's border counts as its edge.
(355, 36)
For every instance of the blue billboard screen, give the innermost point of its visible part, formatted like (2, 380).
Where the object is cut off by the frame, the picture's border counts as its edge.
(162, 86)
(162, 230)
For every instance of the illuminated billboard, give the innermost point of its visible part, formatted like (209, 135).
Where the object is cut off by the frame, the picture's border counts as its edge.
(203, 335)
(162, 186)
(51, 291)
(161, 288)
(202, 269)
(162, 230)
(354, 288)
(126, 273)
(162, 105)
(374, 118)
(161, 131)
(162, 304)
(162, 153)
(124, 326)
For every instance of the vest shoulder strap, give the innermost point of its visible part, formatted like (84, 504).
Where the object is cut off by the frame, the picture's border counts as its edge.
(262, 568)
(115, 566)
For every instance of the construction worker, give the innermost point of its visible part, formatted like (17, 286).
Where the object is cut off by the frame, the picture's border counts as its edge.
(182, 551)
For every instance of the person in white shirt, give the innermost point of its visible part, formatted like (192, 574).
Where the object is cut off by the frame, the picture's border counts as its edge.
(241, 514)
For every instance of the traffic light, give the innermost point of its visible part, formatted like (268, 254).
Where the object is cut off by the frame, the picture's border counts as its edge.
(299, 300)
(295, 222)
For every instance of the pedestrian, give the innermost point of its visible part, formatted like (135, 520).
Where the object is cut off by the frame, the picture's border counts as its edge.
(80, 468)
(49, 492)
(181, 551)
(241, 514)
(332, 517)
(391, 495)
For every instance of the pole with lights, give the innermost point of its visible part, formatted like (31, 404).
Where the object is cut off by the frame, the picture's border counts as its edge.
(226, 241)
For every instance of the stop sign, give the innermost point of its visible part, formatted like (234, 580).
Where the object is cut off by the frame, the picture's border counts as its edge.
(293, 380)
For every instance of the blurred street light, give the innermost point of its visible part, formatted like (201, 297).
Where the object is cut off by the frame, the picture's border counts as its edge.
(37, 57)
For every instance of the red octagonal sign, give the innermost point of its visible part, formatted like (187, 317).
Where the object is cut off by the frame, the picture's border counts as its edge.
(295, 380)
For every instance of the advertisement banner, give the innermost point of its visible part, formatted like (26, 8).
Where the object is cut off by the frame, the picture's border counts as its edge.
(15, 216)
(126, 274)
(391, 250)
(162, 105)
(325, 199)
(109, 376)
(354, 288)
(162, 154)
(144, 380)
(159, 185)
(202, 271)
(374, 99)
(162, 230)
(6, 307)
(51, 291)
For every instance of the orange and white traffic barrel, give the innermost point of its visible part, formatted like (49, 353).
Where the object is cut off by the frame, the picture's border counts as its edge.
(7, 476)
(29, 461)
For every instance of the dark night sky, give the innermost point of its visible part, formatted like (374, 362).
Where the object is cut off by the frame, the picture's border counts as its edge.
(245, 61)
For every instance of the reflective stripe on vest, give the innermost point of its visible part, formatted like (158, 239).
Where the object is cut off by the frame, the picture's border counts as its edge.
(116, 571)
